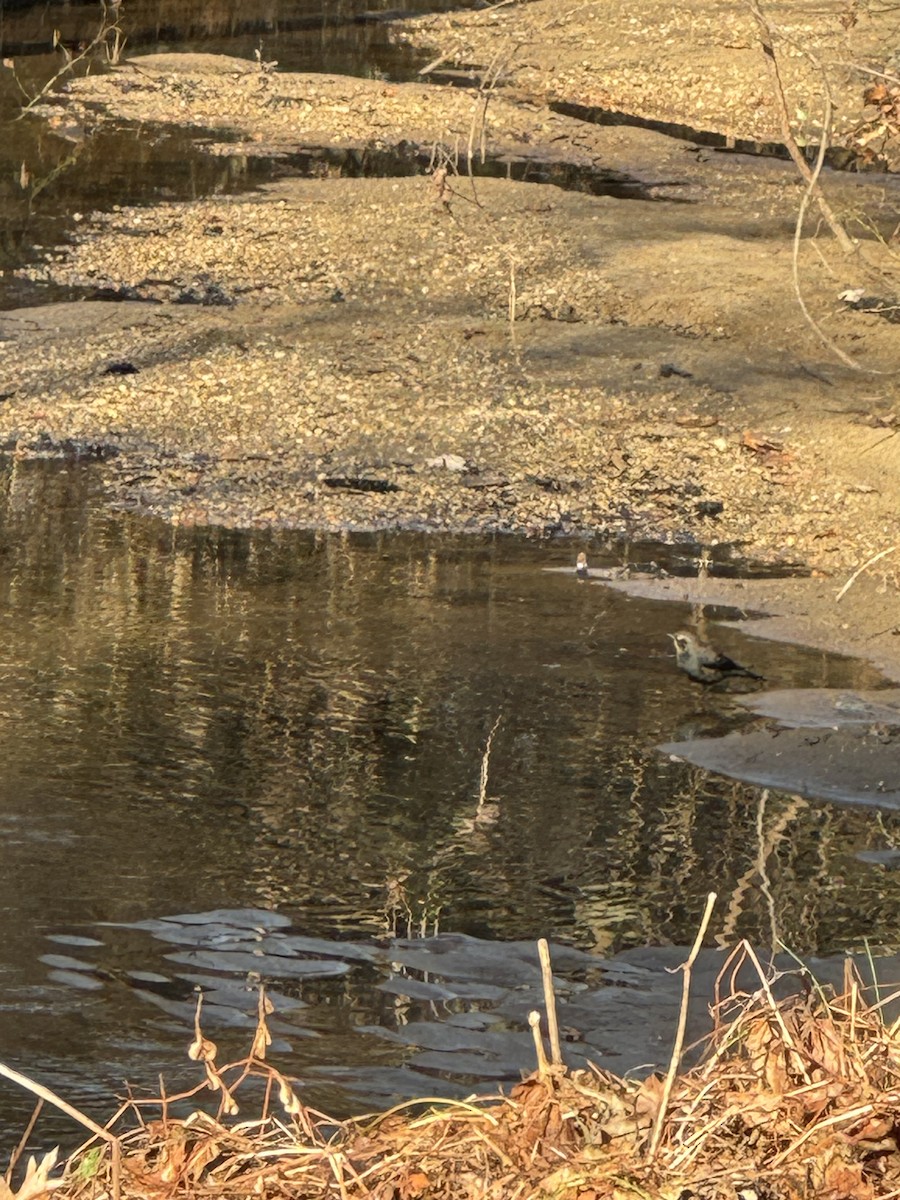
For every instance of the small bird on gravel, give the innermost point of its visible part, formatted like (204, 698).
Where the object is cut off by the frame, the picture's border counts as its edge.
(704, 663)
(581, 566)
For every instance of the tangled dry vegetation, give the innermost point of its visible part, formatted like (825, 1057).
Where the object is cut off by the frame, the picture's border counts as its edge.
(879, 133)
(791, 1098)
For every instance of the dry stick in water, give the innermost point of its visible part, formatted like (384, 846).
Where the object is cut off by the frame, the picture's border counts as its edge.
(550, 1002)
(790, 141)
(486, 764)
(434, 64)
(23, 1140)
(679, 1035)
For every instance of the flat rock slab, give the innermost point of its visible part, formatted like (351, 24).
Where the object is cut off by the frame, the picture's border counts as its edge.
(619, 1013)
(273, 965)
(227, 918)
(826, 707)
(848, 765)
(29, 326)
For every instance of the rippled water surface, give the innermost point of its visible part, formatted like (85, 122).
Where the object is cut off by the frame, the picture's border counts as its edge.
(194, 720)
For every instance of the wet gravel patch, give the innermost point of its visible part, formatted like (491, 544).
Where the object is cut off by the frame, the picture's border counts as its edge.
(445, 353)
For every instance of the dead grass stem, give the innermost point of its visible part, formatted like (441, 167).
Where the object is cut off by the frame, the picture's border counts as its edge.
(798, 1093)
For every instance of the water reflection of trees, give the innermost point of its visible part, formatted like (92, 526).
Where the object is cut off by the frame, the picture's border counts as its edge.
(58, 166)
(152, 24)
(295, 721)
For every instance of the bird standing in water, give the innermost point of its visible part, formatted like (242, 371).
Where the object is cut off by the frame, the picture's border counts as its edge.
(704, 663)
(581, 566)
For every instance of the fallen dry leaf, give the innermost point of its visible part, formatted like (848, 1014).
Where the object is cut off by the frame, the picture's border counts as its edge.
(696, 421)
(758, 443)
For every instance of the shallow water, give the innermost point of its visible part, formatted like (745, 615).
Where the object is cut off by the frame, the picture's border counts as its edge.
(202, 720)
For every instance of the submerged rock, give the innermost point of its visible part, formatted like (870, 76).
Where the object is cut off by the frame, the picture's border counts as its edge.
(852, 765)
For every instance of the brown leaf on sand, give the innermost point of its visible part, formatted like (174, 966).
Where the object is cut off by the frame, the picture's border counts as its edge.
(696, 420)
(758, 443)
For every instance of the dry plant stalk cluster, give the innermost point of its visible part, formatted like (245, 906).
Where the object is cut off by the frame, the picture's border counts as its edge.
(879, 135)
(107, 44)
(792, 1098)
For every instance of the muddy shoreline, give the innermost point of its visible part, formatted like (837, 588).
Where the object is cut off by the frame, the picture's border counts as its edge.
(449, 352)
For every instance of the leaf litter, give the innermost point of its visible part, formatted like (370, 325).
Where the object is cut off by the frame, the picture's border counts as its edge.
(791, 1097)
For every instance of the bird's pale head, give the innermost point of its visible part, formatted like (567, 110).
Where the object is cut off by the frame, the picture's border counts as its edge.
(684, 642)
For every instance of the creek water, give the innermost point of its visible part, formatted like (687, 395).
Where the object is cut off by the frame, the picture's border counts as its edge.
(206, 720)
(213, 720)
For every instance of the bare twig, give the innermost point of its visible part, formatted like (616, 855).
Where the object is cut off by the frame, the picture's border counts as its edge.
(44, 1093)
(550, 1002)
(789, 1040)
(812, 181)
(886, 438)
(871, 71)
(434, 64)
(675, 1060)
(811, 188)
(767, 41)
(486, 763)
(23, 1140)
(109, 26)
(856, 574)
(38, 1089)
(534, 1021)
